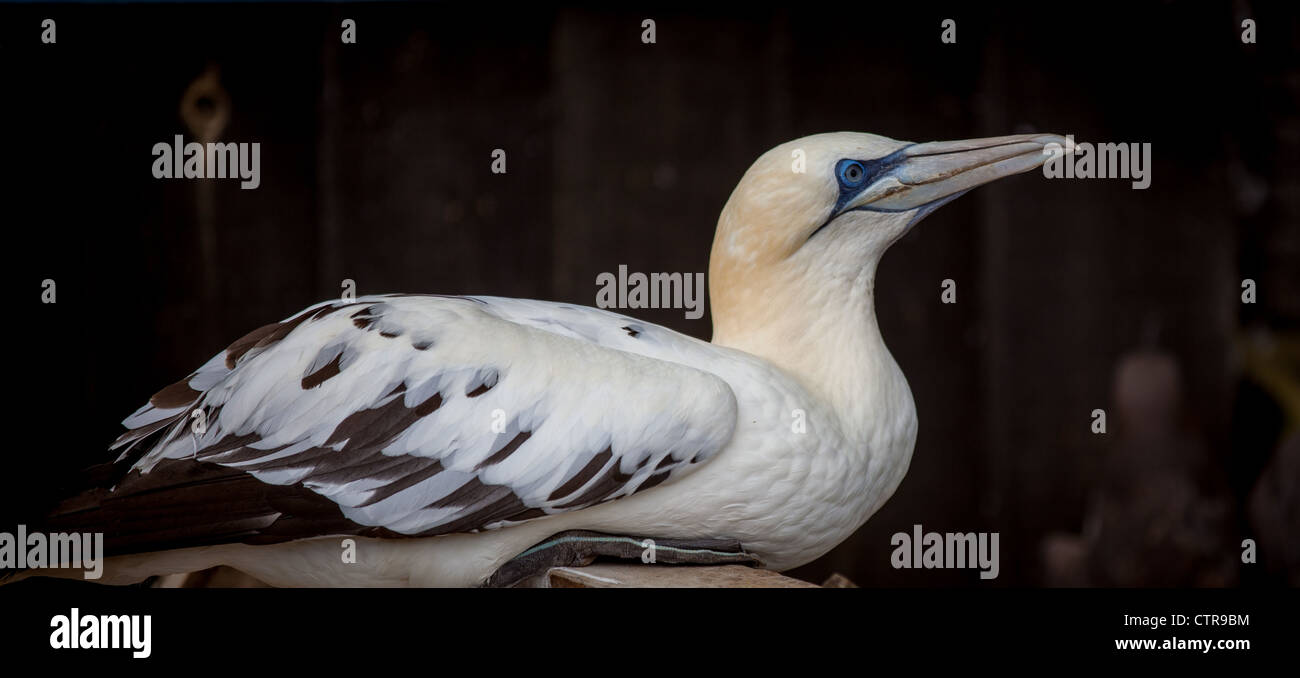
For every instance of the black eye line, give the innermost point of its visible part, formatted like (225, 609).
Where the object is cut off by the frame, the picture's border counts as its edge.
(872, 170)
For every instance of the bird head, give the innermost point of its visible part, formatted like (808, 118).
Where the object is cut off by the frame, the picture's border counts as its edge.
(816, 214)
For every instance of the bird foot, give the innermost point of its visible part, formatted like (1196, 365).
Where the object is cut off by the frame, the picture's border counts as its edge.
(576, 548)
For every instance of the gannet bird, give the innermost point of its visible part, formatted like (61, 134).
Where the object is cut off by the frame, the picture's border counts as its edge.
(446, 436)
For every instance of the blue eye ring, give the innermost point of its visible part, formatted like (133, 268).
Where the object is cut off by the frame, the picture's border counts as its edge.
(852, 173)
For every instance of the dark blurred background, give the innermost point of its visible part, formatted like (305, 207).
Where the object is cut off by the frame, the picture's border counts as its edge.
(375, 160)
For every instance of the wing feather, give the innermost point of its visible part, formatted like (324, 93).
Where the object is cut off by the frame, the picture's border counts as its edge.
(423, 415)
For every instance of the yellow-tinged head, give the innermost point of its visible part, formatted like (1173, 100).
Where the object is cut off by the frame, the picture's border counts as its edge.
(808, 222)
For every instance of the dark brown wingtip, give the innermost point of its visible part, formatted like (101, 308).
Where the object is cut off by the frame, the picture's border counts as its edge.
(177, 395)
(318, 377)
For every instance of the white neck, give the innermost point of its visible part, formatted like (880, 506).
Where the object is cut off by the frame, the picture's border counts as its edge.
(821, 330)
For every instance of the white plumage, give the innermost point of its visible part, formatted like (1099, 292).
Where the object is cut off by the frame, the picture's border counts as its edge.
(482, 425)
(554, 380)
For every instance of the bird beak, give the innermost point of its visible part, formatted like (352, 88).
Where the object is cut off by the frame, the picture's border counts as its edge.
(929, 175)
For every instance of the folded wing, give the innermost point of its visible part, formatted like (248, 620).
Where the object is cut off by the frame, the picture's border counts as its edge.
(412, 415)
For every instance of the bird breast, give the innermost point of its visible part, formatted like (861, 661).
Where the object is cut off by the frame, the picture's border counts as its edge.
(793, 482)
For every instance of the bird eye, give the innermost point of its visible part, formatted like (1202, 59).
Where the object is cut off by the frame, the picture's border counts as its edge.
(852, 173)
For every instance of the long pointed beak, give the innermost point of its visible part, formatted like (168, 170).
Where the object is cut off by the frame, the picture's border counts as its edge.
(932, 173)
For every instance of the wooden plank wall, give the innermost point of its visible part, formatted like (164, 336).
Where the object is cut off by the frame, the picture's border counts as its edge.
(376, 161)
